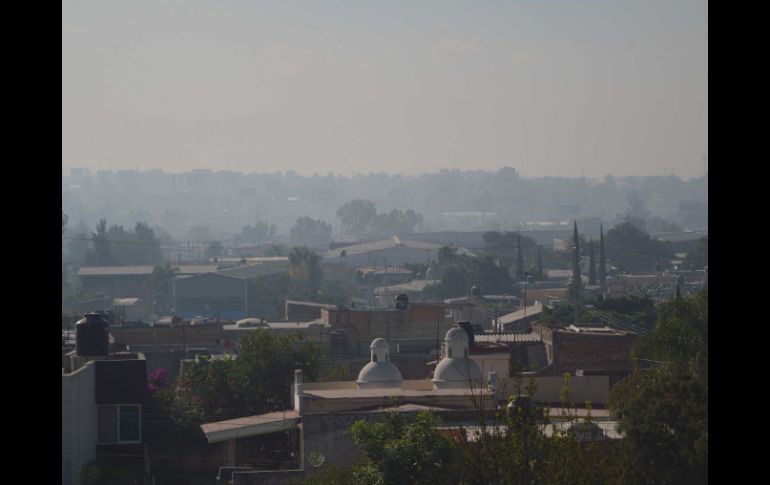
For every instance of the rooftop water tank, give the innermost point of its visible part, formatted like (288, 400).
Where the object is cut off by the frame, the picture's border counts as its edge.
(91, 335)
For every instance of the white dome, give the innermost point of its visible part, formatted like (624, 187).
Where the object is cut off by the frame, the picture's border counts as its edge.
(456, 369)
(456, 372)
(380, 372)
(456, 333)
(379, 343)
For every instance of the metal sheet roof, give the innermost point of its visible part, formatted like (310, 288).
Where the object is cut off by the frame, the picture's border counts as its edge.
(184, 269)
(250, 425)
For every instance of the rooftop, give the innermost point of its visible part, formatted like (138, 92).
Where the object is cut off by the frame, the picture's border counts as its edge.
(348, 393)
(519, 314)
(184, 269)
(389, 243)
(414, 285)
(251, 271)
(250, 425)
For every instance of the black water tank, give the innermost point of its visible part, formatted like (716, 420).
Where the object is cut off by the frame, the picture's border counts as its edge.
(469, 330)
(91, 336)
(402, 301)
(475, 292)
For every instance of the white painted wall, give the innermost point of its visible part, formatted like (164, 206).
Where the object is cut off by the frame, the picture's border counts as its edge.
(78, 421)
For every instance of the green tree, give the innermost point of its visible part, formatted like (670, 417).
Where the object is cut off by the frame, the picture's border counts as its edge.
(602, 261)
(394, 222)
(214, 249)
(519, 258)
(404, 450)
(591, 264)
(159, 283)
(254, 383)
(100, 252)
(305, 267)
(663, 410)
(310, 231)
(65, 286)
(259, 232)
(633, 250)
(698, 258)
(356, 216)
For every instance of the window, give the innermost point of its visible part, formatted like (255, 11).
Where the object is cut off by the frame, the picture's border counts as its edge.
(119, 423)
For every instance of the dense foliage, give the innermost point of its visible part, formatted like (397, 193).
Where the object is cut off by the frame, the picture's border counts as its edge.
(632, 250)
(360, 217)
(255, 382)
(639, 311)
(400, 449)
(459, 272)
(310, 231)
(116, 246)
(698, 258)
(663, 411)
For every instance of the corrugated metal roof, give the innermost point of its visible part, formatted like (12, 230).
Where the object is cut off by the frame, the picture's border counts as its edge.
(250, 425)
(519, 314)
(184, 269)
(414, 285)
(251, 271)
(389, 243)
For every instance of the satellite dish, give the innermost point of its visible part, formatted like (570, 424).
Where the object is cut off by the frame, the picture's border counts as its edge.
(316, 458)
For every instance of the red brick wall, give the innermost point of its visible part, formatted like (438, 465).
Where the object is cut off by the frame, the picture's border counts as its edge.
(568, 351)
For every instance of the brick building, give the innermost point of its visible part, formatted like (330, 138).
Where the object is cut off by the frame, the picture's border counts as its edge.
(585, 348)
(420, 324)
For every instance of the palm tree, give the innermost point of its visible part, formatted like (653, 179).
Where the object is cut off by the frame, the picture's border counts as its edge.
(305, 265)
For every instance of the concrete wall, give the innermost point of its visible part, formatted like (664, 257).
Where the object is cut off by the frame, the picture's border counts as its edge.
(499, 363)
(582, 388)
(78, 424)
(192, 335)
(209, 295)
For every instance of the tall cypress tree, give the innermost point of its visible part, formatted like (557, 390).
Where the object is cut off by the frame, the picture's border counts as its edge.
(591, 265)
(602, 261)
(576, 265)
(519, 258)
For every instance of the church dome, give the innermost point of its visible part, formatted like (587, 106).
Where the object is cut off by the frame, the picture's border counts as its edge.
(456, 333)
(380, 372)
(456, 369)
(379, 343)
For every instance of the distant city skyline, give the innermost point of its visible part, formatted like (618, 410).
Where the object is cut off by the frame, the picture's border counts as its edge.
(550, 88)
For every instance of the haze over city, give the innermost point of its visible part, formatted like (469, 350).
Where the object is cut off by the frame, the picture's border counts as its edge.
(552, 88)
(384, 242)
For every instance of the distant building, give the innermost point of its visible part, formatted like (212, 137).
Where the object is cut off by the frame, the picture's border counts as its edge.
(586, 349)
(128, 281)
(227, 294)
(418, 326)
(392, 251)
(384, 274)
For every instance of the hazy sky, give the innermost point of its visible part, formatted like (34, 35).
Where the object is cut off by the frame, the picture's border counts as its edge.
(549, 87)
